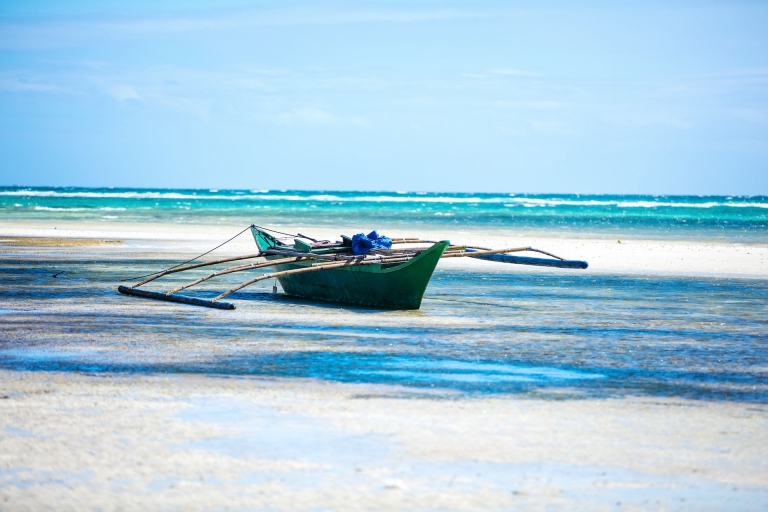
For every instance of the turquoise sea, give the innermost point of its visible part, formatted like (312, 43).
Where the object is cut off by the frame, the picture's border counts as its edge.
(727, 218)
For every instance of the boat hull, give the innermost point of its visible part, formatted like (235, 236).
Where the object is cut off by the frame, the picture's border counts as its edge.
(389, 286)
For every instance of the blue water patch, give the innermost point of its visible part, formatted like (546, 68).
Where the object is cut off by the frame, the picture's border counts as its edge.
(18, 432)
(338, 366)
(434, 371)
(25, 478)
(473, 378)
(52, 354)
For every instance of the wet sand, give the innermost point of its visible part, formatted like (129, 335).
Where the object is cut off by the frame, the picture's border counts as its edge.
(152, 411)
(54, 242)
(71, 442)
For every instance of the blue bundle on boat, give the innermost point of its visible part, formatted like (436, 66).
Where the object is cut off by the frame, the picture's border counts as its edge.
(363, 244)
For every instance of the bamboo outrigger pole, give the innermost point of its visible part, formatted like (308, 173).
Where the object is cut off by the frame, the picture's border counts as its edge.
(502, 256)
(239, 268)
(194, 265)
(474, 253)
(316, 268)
(175, 298)
(271, 263)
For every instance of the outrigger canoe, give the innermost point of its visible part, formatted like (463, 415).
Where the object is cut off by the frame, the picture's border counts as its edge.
(325, 271)
(395, 285)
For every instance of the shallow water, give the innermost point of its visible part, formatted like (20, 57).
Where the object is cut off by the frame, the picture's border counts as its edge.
(483, 328)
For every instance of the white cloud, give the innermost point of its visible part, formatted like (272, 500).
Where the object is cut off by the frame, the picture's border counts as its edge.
(650, 118)
(306, 116)
(751, 115)
(501, 72)
(530, 105)
(15, 84)
(41, 34)
(158, 93)
(510, 72)
(551, 126)
(122, 92)
(315, 116)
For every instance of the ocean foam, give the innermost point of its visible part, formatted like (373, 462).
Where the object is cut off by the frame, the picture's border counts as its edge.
(505, 200)
(58, 209)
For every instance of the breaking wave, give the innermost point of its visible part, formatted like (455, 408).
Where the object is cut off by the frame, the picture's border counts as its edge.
(399, 197)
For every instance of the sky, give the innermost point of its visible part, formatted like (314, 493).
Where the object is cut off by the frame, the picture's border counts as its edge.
(479, 96)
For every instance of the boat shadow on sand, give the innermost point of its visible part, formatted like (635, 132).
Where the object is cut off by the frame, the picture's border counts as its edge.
(285, 299)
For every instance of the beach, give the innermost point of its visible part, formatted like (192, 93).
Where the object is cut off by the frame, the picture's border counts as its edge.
(638, 383)
(200, 443)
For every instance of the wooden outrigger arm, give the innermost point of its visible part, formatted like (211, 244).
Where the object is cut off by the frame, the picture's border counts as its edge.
(194, 301)
(315, 268)
(502, 256)
(271, 263)
(194, 265)
(525, 260)
(239, 268)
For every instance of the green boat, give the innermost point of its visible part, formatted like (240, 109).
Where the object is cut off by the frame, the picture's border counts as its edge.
(382, 277)
(382, 285)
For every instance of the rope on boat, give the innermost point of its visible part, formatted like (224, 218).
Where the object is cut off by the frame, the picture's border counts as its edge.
(239, 268)
(297, 235)
(188, 261)
(196, 265)
(220, 245)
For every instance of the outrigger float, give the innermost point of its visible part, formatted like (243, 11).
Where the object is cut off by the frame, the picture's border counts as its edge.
(383, 278)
